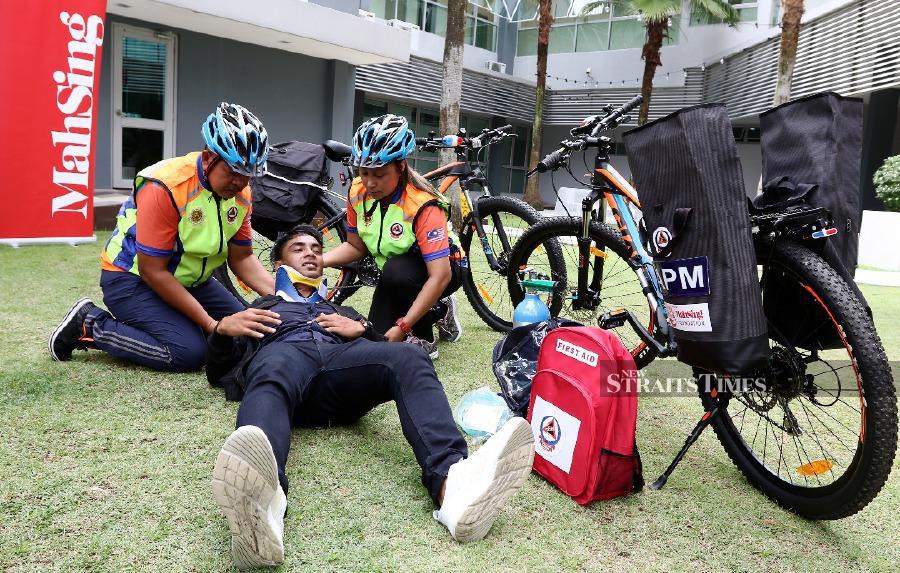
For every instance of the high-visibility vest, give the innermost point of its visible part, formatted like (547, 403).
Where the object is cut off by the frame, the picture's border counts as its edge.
(388, 232)
(207, 222)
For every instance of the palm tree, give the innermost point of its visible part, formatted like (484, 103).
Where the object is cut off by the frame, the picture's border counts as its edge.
(451, 93)
(656, 15)
(787, 56)
(545, 20)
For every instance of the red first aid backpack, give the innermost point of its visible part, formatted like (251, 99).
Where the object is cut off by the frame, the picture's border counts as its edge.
(583, 413)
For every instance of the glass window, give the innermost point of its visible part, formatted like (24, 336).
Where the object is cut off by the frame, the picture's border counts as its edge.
(527, 10)
(470, 29)
(623, 8)
(143, 79)
(592, 37)
(373, 109)
(527, 42)
(410, 11)
(747, 12)
(386, 9)
(520, 147)
(753, 135)
(484, 34)
(562, 39)
(627, 34)
(517, 181)
(435, 19)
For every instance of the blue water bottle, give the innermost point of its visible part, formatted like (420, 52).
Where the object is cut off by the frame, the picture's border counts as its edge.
(532, 308)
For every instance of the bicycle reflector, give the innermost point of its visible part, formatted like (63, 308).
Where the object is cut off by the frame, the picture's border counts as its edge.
(815, 468)
(452, 140)
(821, 234)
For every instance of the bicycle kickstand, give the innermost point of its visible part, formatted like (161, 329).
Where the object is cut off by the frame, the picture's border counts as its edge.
(692, 437)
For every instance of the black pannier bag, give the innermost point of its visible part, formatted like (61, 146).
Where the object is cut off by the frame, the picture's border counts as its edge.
(689, 181)
(816, 142)
(282, 197)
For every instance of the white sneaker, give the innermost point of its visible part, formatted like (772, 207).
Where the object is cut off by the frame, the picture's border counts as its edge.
(478, 487)
(245, 485)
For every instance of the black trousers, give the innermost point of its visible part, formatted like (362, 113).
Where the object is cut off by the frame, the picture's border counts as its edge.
(319, 384)
(401, 281)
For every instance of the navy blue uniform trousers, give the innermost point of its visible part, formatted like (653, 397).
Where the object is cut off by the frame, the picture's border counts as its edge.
(316, 384)
(142, 328)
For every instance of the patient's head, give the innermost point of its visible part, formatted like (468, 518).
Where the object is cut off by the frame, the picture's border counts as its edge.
(300, 248)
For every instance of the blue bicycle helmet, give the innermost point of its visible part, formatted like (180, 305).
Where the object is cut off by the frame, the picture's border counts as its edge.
(238, 137)
(382, 140)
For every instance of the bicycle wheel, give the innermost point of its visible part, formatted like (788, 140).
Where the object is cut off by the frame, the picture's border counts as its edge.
(333, 235)
(620, 286)
(818, 433)
(504, 220)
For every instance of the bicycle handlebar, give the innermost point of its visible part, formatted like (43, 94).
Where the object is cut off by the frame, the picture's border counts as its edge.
(489, 135)
(586, 135)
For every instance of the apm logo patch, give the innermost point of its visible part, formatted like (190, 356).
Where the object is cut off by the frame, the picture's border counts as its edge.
(685, 277)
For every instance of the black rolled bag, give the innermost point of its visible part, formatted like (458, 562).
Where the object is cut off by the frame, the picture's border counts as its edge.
(690, 184)
(815, 142)
(283, 196)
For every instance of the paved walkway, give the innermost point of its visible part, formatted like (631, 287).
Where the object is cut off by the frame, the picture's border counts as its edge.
(881, 278)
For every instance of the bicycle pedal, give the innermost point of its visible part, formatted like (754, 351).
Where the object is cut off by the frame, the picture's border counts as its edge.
(613, 319)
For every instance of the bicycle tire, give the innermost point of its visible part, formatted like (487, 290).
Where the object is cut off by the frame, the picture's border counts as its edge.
(485, 288)
(620, 285)
(338, 279)
(865, 468)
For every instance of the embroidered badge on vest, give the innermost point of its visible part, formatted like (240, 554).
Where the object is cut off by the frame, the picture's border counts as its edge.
(396, 231)
(196, 216)
(232, 213)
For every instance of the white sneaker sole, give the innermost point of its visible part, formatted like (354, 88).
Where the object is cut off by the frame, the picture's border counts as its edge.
(245, 482)
(512, 469)
(52, 340)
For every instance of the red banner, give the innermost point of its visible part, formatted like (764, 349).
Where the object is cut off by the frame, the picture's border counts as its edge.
(50, 70)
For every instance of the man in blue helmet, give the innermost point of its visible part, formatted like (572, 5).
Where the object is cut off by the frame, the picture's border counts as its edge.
(185, 217)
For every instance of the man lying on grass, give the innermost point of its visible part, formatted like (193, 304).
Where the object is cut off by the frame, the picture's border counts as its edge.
(296, 359)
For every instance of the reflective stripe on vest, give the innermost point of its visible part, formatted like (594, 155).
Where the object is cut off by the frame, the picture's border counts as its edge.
(207, 222)
(389, 232)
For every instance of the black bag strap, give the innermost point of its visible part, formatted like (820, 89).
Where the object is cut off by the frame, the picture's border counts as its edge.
(679, 224)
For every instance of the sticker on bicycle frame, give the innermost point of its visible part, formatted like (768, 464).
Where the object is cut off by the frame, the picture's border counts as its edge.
(689, 317)
(662, 237)
(685, 277)
(555, 433)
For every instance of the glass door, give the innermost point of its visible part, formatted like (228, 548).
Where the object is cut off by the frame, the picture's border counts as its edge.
(143, 100)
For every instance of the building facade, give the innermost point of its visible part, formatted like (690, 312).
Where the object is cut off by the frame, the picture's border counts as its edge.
(313, 70)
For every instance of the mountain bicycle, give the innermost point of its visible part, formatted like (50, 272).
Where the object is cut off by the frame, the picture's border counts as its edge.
(496, 221)
(818, 433)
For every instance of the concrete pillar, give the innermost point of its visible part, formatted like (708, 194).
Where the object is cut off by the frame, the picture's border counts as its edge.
(878, 141)
(342, 94)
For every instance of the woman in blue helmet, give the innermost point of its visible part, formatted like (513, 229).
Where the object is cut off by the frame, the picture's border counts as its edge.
(395, 215)
(185, 217)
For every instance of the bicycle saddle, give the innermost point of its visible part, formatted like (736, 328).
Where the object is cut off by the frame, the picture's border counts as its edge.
(335, 150)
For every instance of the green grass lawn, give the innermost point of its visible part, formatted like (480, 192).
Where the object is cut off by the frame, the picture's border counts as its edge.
(106, 467)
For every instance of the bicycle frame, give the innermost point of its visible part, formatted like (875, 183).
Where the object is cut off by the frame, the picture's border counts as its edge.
(608, 183)
(467, 171)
